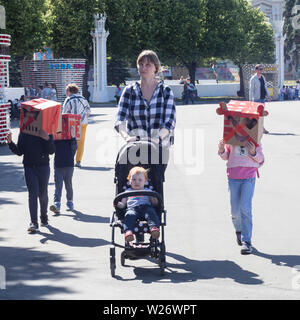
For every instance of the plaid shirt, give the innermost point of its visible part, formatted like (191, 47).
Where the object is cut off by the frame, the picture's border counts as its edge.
(143, 118)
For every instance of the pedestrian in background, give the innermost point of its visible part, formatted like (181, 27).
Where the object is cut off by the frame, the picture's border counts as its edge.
(77, 104)
(53, 92)
(118, 92)
(46, 91)
(258, 87)
(297, 90)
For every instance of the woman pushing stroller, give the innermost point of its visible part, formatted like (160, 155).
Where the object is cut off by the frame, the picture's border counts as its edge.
(146, 108)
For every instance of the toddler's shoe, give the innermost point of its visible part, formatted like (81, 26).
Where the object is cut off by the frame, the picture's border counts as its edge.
(70, 205)
(55, 208)
(155, 232)
(129, 236)
(246, 248)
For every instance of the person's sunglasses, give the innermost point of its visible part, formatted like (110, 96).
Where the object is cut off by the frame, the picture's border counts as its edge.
(261, 69)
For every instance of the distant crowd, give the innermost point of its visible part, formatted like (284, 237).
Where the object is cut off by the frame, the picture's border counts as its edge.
(46, 92)
(290, 92)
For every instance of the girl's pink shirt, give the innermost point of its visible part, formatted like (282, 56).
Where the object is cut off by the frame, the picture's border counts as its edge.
(241, 165)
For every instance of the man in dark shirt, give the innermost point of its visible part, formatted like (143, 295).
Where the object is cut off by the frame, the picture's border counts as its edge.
(35, 151)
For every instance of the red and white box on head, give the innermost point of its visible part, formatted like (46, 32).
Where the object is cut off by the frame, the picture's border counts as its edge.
(243, 121)
(69, 121)
(39, 114)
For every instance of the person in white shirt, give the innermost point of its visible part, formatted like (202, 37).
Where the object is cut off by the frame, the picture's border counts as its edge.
(77, 104)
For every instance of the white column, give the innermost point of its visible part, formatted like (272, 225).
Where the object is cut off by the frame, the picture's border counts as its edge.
(100, 93)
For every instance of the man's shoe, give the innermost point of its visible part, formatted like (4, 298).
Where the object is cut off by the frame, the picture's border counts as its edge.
(239, 238)
(33, 228)
(246, 248)
(55, 208)
(70, 205)
(44, 224)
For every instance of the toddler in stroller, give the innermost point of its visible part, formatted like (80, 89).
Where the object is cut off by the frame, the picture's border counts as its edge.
(139, 207)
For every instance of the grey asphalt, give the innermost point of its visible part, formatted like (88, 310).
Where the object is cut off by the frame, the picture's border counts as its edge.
(70, 258)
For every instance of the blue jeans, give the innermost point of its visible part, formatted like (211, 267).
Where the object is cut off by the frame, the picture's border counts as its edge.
(37, 179)
(143, 212)
(63, 175)
(241, 194)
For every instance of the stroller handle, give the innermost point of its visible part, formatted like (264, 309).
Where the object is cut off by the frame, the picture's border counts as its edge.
(139, 193)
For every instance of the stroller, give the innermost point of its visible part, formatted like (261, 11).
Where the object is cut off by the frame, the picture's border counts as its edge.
(139, 153)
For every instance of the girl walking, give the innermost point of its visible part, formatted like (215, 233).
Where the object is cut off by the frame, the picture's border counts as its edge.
(242, 168)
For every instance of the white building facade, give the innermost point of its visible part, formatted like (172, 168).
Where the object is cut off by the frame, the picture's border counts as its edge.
(273, 9)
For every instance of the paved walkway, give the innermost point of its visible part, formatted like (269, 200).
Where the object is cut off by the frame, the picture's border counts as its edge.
(70, 259)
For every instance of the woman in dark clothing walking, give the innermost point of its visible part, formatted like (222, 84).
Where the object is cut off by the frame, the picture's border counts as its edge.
(35, 151)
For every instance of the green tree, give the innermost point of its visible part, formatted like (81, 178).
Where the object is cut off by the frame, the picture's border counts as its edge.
(26, 24)
(254, 39)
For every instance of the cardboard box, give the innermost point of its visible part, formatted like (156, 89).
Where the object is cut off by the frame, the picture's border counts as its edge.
(69, 121)
(39, 114)
(243, 121)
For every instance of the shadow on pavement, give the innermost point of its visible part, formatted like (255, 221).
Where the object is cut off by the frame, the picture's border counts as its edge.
(12, 177)
(96, 121)
(79, 216)
(4, 150)
(279, 260)
(189, 270)
(26, 264)
(95, 168)
(7, 201)
(70, 239)
(281, 134)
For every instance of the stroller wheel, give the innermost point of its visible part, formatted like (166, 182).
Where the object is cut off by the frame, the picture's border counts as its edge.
(112, 261)
(123, 257)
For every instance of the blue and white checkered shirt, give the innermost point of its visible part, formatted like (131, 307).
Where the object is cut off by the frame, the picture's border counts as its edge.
(145, 119)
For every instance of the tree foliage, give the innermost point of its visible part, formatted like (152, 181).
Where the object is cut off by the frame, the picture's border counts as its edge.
(25, 23)
(292, 42)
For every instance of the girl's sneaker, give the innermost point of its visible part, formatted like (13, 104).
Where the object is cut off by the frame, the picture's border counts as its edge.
(129, 236)
(155, 232)
(33, 228)
(55, 208)
(70, 205)
(246, 248)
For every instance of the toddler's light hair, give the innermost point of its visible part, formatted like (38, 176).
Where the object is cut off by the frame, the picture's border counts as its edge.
(137, 170)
